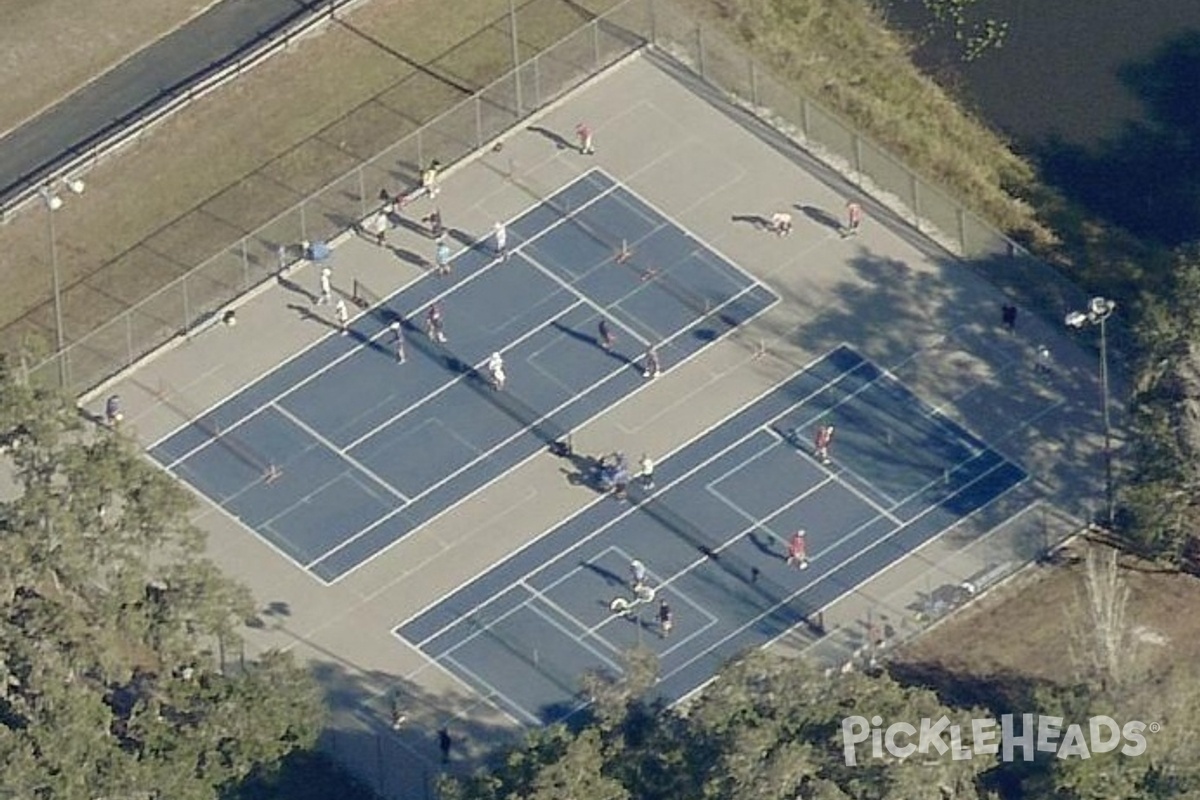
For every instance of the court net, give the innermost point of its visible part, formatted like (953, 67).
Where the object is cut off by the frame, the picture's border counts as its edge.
(228, 440)
(759, 590)
(416, 338)
(624, 249)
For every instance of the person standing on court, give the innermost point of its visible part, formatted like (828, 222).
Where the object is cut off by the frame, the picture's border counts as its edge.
(500, 240)
(638, 570)
(666, 619)
(821, 442)
(584, 134)
(442, 256)
(652, 367)
(397, 329)
(647, 475)
(445, 744)
(495, 368)
(854, 216)
(434, 323)
(781, 223)
(797, 555)
(343, 315)
(606, 338)
(326, 296)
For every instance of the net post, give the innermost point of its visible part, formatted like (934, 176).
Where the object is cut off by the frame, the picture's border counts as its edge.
(760, 349)
(273, 473)
(624, 253)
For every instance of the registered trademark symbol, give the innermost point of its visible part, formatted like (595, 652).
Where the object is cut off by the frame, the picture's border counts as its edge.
(1155, 727)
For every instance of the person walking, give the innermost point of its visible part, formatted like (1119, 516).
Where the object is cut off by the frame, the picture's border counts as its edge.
(606, 339)
(797, 555)
(434, 222)
(442, 256)
(638, 570)
(1042, 365)
(666, 619)
(584, 134)
(326, 296)
(377, 226)
(495, 368)
(397, 329)
(651, 368)
(343, 315)
(445, 744)
(435, 324)
(821, 442)
(500, 240)
(854, 216)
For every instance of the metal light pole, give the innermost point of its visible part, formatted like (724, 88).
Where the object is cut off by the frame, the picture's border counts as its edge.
(1098, 311)
(53, 203)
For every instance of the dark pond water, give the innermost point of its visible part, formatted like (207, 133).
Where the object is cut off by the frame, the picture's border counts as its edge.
(1103, 94)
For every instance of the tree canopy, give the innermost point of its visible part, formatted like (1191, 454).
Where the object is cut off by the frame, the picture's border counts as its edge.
(110, 625)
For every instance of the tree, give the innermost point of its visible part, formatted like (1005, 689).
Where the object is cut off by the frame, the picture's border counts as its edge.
(109, 685)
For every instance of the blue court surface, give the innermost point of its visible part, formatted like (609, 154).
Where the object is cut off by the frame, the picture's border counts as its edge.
(713, 536)
(342, 451)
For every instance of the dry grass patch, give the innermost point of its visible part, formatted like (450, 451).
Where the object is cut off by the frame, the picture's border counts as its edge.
(253, 149)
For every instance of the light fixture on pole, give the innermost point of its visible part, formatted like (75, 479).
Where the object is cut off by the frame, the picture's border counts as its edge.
(53, 202)
(1098, 311)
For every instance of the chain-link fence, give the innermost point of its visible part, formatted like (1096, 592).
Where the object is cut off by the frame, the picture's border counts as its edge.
(196, 297)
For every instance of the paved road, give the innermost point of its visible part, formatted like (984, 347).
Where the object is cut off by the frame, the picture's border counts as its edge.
(139, 84)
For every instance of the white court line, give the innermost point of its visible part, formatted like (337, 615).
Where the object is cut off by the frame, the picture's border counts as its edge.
(355, 350)
(861, 495)
(599, 309)
(762, 521)
(306, 499)
(830, 573)
(492, 691)
(531, 456)
(299, 423)
(576, 638)
(539, 328)
(596, 532)
(502, 444)
(777, 441)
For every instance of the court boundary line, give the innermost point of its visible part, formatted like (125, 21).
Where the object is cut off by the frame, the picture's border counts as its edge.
(493, 693)
(523, 431)
(343, 455)
(586, 508)
(487, 266)
(301, 501)
(457, 380)
(830, 573)
(762, 521)
(757, 523)
(663, 582)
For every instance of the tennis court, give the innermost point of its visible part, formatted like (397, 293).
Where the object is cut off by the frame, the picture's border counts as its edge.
(339, 453)
(713, 535)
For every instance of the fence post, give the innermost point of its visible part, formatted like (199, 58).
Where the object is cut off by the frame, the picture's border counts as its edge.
(420, 151)
(916, 195)
(478, 121)
(804, 117)
(247, 283)
(516, 52)
(128, 338)
(653, 17)
(700, 50)
(362, 192)
(304, 226)
(961, 216)
(595, 45)
(753, 83)
(537, 80)
(187, 308)
(858, 157)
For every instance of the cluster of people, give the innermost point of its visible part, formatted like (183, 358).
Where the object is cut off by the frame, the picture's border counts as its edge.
(643, 593)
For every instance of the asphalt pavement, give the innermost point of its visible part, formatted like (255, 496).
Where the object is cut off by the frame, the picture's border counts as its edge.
(142, 82)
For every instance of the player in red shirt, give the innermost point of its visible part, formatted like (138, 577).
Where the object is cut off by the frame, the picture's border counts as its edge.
(821, 442)
(798, 551)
